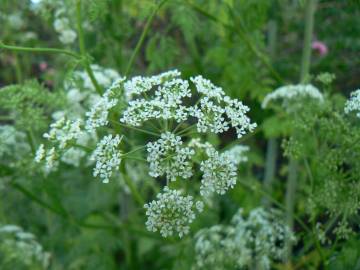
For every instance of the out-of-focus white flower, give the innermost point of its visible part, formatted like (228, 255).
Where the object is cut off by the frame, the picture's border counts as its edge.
(290, 92)
(61, 24)
(353, 104)
(73, 156)
(75, 95)
(171, 213)
(256, 240)
(107, 157)
(67, 36)
(22, 246)
(237, 154)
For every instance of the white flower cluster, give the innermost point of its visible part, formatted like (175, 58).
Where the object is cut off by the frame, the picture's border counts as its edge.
(107, 157)
(219, 173)
(162, 97)
(353, 104)
(247, 243)
(290, 92)
(82, 97)
(63, 27)
(98, 115)
(64, 131)
(168, 156)
(167, 103)
(171, 213)
(70, 142)
(63, 134)
(139, 85)
(22, 246)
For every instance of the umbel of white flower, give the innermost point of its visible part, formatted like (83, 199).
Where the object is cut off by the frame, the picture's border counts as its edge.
(353, 104)
(168, 156)
(62, 134)
(290, 92)
(171, 213)
(219, 172)
(168, 107)
(246, 243)
(64, 131)
(162, 97)
(107, 157)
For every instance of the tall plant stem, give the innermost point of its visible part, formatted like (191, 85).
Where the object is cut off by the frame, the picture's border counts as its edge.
(82, 48)
(271, 150)
(293, 164)
(133, 189)
(143, 35)
(309, 28)
(270, 166)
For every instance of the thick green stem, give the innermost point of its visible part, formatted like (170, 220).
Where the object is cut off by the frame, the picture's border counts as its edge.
(270, 165)
(290, 199)
(135, 193)
(271, 151)
(38, 50)
(143, 35)
(82, 48)
(309, 28)
(293, 164)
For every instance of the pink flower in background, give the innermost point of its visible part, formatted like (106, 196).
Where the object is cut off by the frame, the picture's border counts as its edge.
(43, 66)
(320, 47)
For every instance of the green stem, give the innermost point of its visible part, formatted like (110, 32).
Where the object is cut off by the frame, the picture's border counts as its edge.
(143, 35)
(271, 151)
(82, 48)
(290, 200)
(38, 50)
(309, 28)
(134, 128)
(270, 165)
(137, 196)
(37, 200)
(133, 151)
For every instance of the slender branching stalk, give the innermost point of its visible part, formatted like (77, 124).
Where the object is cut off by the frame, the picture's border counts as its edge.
(143, 35)
(82, 48)
(39, 50)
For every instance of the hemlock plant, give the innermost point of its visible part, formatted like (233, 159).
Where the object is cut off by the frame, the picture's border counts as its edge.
(168, 171)
(169, 109)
